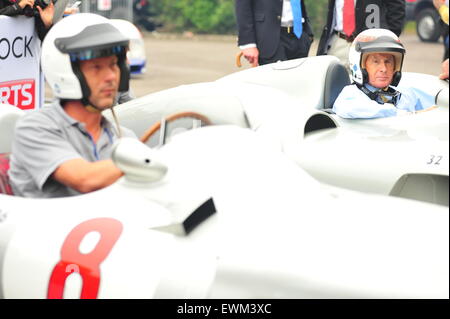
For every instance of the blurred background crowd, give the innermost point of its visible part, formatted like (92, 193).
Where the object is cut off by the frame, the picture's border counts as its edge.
(165, 24)
(218, 16)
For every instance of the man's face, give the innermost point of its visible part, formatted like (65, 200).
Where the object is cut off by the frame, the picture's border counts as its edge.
(380, 67)
(103, 77)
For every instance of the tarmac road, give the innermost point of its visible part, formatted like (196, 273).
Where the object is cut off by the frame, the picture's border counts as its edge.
(173, 60)
(176, 60)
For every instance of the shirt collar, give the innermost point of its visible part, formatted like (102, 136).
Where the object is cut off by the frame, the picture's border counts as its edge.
(70, 121)
(372, 88)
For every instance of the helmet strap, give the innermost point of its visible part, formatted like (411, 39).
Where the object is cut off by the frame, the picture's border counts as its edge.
(374, 95)
(124, 84)
(92, 108)
(365, 76)
(396, 79)
(85, 90)
(366, 91)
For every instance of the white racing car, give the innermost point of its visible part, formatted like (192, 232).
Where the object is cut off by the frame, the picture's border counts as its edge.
(226, 211)
(136, 55)
(401, 156)
(218, 213)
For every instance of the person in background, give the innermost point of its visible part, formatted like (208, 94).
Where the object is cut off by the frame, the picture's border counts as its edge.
(143, 15)
(43, 16)
(376, 59)
(65, 149)
(442, 7)
(444, 73)
(271, 31)
(347, 18)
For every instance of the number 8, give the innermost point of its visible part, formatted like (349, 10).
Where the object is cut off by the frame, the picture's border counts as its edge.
(87, 265)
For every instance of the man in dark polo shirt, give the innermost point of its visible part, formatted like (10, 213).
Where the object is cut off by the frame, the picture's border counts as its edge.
(65, 149)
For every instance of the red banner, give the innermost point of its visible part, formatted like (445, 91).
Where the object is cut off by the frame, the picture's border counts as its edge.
(20, 93)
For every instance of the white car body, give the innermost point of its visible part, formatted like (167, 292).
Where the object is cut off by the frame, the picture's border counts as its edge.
(401, 156)
(136, 55)
(273, 231)
(276, 233)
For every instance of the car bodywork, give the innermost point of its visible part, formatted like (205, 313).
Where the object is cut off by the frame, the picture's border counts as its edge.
(136, 55)
(400, 156)
(266, 229)
(227, 210)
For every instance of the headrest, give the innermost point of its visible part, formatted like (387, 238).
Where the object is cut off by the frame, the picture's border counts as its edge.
(8, 117)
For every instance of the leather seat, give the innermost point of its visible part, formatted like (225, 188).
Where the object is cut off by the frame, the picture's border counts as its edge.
(336, 79)
(5, 187)
(8, 117)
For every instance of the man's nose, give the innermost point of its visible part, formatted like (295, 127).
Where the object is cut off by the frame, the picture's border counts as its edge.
(383, 67)
(110, 74)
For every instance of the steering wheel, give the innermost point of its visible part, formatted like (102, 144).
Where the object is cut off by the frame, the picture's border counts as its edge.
(162, 125)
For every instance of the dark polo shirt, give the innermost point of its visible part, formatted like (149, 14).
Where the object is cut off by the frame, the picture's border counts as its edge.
(47, 138)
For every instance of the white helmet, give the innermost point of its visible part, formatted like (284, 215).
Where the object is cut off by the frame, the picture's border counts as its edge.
(375, 41)
(79, 37)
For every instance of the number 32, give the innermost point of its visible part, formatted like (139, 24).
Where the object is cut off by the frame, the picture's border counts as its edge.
(435, 159)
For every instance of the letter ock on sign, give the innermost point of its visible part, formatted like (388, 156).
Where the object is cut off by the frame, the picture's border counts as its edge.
(21, 81)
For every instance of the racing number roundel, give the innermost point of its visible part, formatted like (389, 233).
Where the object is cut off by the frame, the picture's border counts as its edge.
(87, 265)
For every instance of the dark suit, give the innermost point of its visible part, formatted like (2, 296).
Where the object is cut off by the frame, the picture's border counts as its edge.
(259, 21)
(392, 17)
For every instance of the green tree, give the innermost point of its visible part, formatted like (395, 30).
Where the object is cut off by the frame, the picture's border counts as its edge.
(317, 12)
(217, 16)
(202, 16)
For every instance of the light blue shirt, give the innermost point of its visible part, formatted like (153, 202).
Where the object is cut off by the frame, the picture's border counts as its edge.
(352, 103)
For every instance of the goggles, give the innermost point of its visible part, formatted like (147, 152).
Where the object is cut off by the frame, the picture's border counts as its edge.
(97, 53)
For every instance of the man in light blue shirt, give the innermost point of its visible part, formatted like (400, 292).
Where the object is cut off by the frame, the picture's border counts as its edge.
(376, 59)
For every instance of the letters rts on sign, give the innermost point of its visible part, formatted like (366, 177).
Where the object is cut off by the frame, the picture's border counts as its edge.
(19, 93)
